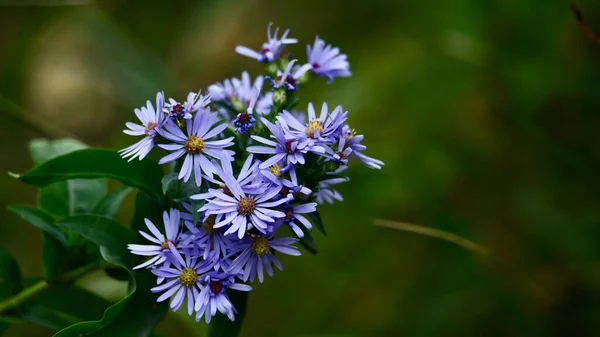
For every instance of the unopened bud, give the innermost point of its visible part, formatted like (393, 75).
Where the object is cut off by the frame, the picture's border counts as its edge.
(279, 97)
(238, 105)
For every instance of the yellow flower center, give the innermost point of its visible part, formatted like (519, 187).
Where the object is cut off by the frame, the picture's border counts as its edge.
(260, 246)
(194, 145)
(165, 244)
(275, 170)
(313, 126)
(208, 225)
(246, 206)
(188, 276)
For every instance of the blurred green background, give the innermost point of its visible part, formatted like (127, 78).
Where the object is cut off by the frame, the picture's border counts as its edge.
(485, 112)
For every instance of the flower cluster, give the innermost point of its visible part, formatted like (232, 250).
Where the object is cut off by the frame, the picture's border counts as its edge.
(259, 168)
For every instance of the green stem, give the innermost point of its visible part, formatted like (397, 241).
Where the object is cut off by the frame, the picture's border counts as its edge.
(36, 288)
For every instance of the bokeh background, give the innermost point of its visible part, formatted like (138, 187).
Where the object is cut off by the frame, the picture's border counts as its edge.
(485, 112)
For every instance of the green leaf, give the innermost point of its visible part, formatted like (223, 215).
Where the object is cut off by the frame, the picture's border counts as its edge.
(89, 327)
(54, 258)
(170, 186)
(63, 305)
(110, 204)
(39, 219)
(101, 231)
(47, 317)
(221, 325)
(315, 219)
(145, 207)
(97, 163)
(307, 241)
(71, 197)
(76, 196)
(141, 314)
(85, 194)
(43, 149)
(10, 275)
(10, 282)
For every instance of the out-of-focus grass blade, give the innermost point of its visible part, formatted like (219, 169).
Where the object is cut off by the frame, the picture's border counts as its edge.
(436, 233)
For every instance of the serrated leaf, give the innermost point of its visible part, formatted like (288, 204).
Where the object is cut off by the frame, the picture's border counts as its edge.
(315, 220)
(110, 204)
(221, 325)
(101, 231)
(98, 163)
(39, 219)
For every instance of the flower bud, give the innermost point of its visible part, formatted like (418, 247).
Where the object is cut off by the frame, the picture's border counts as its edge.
(279, 97)
(332, 166)
(272, 69)
(238, 105)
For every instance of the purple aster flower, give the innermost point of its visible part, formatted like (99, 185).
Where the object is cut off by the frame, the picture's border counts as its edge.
(271, 50)
(353, 142)
(195, 145)
(318, 130)
(152, 120)
(326, 193)
(238, 94)
(194, 102)
(286, 148)
(327, 61)
(246, 178)
(205, 240)
(337, 155)
(276, 174)
(257, 255)
(160, 249)
(183, 279)
(212, 296)
(293, 214)
(288, 80)
(241, 211)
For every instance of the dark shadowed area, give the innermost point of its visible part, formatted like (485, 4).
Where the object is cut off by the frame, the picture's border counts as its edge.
(486, 114)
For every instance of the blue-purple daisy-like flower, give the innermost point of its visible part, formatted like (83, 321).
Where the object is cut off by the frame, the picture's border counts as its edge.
(326, 193)
(205, 240)
(241, 211)
(293, 214)
(195, 146)
(353, 142)
(271, 50)
(276, 174)
(319, 130)
(257, 256)
(194, 102)
(152, 120)
(212, 296)
(286, 148)
(286, 79)
(233, 92)
(182, 279)
(159, 250)
(327, 61)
